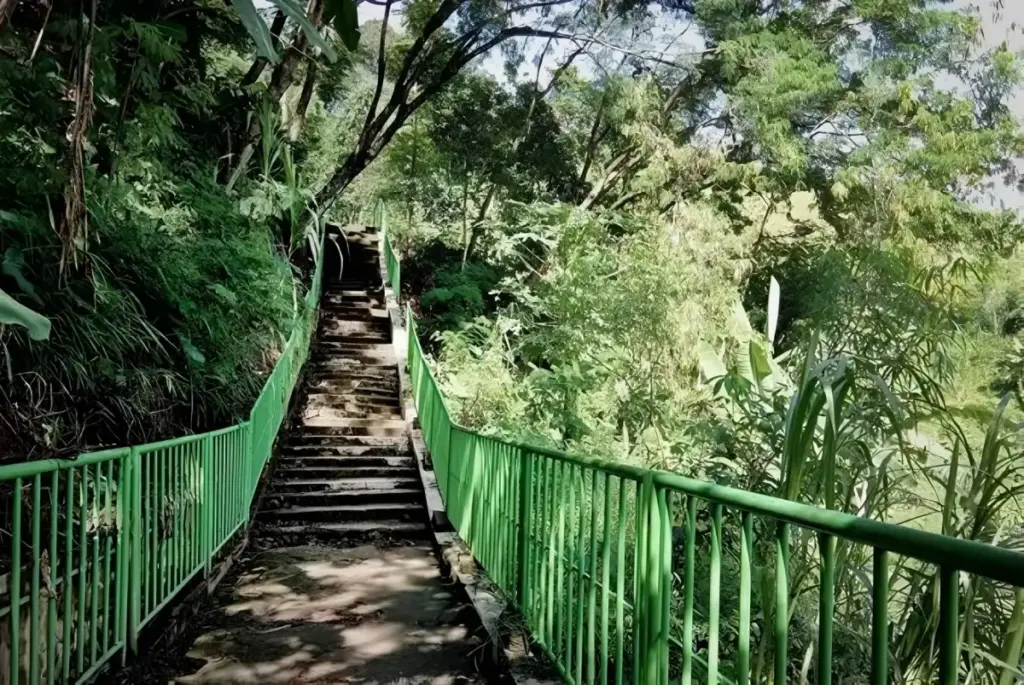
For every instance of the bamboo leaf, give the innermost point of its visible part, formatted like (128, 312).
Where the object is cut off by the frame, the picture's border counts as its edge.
(773, 309)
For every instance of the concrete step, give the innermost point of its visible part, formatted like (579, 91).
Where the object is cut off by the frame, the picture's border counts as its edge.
(324, 438)
(322, 412)
(340, 498)
(401, 461)
(346, 401)
(365, 338)
(362, 359)
(299, 451)
(367, 395)
(373, 327)
(338, 370)
(348, 530)
(392, 511)
(327, 347)
(346, 484)
(350, 302)
(284, 472)
(369, 316)
(387, 375)
(376, 427)
(284, 501)
(357, 390)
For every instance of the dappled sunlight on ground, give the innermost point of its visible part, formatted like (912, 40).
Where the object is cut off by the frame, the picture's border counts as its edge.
(323, 615)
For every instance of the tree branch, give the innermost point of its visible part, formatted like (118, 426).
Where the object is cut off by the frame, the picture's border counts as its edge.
(381, 64)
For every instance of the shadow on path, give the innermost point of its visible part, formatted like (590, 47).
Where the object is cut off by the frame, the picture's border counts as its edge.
(326, 615)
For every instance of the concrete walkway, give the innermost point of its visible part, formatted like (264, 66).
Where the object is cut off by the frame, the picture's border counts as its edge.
(318, 614)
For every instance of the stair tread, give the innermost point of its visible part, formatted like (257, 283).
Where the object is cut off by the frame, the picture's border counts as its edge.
(385, 525)
(347, 471)
(364, 497)
(369, 484)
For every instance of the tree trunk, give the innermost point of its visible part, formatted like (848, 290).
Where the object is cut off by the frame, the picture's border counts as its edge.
(465, 220)
(302, 106)
(74, 229)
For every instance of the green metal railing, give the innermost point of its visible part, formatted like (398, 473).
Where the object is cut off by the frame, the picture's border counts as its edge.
(393, 264)
(603, 559)
(98, 545)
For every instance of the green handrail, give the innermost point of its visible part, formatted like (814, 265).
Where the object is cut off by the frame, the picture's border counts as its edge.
(114, 536)
(547, 524)
(392, 264)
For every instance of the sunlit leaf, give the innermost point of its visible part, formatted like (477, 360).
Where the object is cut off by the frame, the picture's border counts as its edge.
(257, 28)
(13, 313)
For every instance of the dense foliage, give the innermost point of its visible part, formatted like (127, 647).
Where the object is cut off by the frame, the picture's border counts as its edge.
(761, 261)
(169, 287)
(739, 239)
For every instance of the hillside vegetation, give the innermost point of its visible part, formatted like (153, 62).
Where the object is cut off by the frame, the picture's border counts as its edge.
(749, 241)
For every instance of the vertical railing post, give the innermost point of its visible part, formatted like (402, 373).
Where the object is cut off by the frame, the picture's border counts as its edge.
(525, 509)
(206, 505)
(250, 458)
(641, 583)
(135, 549)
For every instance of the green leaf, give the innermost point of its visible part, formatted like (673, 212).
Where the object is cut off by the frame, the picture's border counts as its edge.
(773, 309)
(12, 265)
(191, 351)
(345, 18)
(257, 28)
(297, 13)
(759, 363)
(710, 363)
(16, 314)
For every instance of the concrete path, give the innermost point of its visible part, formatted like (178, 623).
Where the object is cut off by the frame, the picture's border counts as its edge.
(326, 615)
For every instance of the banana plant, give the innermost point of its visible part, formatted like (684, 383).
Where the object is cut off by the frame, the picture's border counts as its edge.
(341, 14)
(746, 357)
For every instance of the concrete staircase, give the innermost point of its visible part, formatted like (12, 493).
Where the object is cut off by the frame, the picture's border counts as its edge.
(346, 468)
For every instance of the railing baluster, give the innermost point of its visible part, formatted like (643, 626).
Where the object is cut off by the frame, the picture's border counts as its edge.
(620, 586)
(15, 615)
(559, 596)
(688, 576)
(69, 536)
(108, 520)
(606, 561)
(781, 602)
(746, 561)
(880, 618)
(569, 563)
(665, 608)
(949, 619)
(592, 585)
(552, 535)
(581, 562)
(54, 572)
(715, 590)
(33, 625)
(83, 516)
(826, 606)
(640, 654)
(94, 578)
